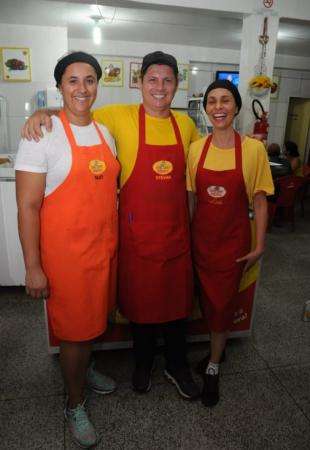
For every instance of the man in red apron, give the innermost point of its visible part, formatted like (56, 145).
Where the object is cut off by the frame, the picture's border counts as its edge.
(155, 272)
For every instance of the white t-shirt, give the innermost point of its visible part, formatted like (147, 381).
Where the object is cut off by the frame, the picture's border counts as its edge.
(52, 154)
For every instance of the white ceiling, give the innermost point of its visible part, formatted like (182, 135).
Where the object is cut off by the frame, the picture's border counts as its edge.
(150, 24)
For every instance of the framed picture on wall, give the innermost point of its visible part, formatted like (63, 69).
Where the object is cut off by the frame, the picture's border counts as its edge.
(112, 73)
(15, 64)
(183, 76)
(274, 90)
(134, 74)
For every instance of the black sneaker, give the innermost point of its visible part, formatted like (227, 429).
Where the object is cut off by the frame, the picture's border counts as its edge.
(201, 367)
(210, 392)
(183, 380)
(141, 379)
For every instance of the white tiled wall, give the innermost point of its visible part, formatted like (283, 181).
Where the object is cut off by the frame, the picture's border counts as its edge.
(44, 52)
(47, 44)
(293, 83)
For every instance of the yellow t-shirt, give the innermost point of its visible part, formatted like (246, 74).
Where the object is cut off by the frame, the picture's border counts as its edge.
(255, 165)
(256, 174)
(123, 123)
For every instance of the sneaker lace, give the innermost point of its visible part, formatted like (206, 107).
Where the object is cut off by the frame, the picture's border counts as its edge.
(80, 418)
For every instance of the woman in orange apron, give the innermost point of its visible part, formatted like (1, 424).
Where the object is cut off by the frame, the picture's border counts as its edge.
(221, 229)
(69, 239)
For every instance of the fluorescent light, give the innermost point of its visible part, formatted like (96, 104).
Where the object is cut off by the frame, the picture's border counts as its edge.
(94, 8)
(97, 35)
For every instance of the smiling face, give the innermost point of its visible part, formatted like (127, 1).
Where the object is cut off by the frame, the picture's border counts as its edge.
(79, 90)
(221, 108)
(158, 87)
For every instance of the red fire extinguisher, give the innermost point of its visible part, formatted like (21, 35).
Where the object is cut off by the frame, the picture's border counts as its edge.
(261, 124)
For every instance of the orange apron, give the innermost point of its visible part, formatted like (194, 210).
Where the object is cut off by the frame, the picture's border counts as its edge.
(79, 242)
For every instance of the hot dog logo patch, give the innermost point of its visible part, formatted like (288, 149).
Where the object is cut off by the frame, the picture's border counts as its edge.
(163, 169)
(216, 191)
(96, 166)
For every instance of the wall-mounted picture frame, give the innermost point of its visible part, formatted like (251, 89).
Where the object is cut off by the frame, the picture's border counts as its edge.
(15, 64)
(134, 74)
(275, 87)
(112, 73)
(183, 76)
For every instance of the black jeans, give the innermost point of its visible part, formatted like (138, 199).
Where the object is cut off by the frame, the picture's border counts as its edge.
(174, 335)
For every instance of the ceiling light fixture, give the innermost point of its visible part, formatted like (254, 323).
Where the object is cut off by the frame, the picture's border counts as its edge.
(97, 35)
(98, 13)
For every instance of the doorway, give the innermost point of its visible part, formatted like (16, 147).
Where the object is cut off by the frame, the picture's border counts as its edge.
(298, 126)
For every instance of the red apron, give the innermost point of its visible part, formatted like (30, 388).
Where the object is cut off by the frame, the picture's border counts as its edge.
(79, 241)
(155, 273)
(221, 233)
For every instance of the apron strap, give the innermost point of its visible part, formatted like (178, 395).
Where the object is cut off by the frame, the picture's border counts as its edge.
(238, 152)
(204, 152)
(142, 127)
(100, 134)
(66, 124)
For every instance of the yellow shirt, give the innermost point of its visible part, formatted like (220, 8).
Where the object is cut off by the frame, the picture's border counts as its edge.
(123, 123)
(255, 165)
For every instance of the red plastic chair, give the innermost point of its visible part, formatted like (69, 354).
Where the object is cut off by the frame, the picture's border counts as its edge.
(289, 189)
(305, 188)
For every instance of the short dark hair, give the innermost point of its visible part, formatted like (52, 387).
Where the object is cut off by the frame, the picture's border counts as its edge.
(74, 57)
(273, 149)
(224, 84)
(159, 58)
(291, 148)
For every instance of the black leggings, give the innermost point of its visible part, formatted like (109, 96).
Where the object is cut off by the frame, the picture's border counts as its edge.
(174, 335)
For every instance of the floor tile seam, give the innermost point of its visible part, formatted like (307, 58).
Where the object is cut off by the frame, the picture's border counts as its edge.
(30, 397)
(278, 379)
(290, 395)
(64, 432)
(302, 364)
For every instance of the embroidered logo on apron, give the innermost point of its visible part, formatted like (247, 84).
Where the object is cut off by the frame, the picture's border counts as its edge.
(163, 169)
(96, 166)
(216, 191)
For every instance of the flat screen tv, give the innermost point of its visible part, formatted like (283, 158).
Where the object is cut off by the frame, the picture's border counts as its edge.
(228, 75)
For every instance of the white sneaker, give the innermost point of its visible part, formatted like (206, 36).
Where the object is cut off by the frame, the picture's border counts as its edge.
(82, 430)
(99, 383)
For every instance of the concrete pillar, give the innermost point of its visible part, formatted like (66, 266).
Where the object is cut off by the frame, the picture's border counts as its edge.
(250, 54)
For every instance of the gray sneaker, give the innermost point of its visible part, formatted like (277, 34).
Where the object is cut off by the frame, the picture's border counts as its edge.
(99, 383)
(82, 430)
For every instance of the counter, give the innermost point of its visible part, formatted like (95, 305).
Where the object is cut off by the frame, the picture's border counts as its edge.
(12, 271)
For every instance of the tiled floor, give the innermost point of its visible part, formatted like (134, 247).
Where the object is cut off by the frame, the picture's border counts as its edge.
(265, 384)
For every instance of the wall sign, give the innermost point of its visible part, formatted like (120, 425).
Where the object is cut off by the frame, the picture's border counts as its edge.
(15, 64)
(134, 74)
(112, 73)
(183, 76)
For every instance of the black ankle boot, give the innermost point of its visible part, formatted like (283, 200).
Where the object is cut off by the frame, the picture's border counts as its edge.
(210, 392)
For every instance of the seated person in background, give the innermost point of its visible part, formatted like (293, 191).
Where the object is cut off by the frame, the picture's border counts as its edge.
(274, 151)
(292, 155)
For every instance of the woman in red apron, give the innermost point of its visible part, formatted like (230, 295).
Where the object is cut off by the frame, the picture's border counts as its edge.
(221, 230)
(69, 239)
